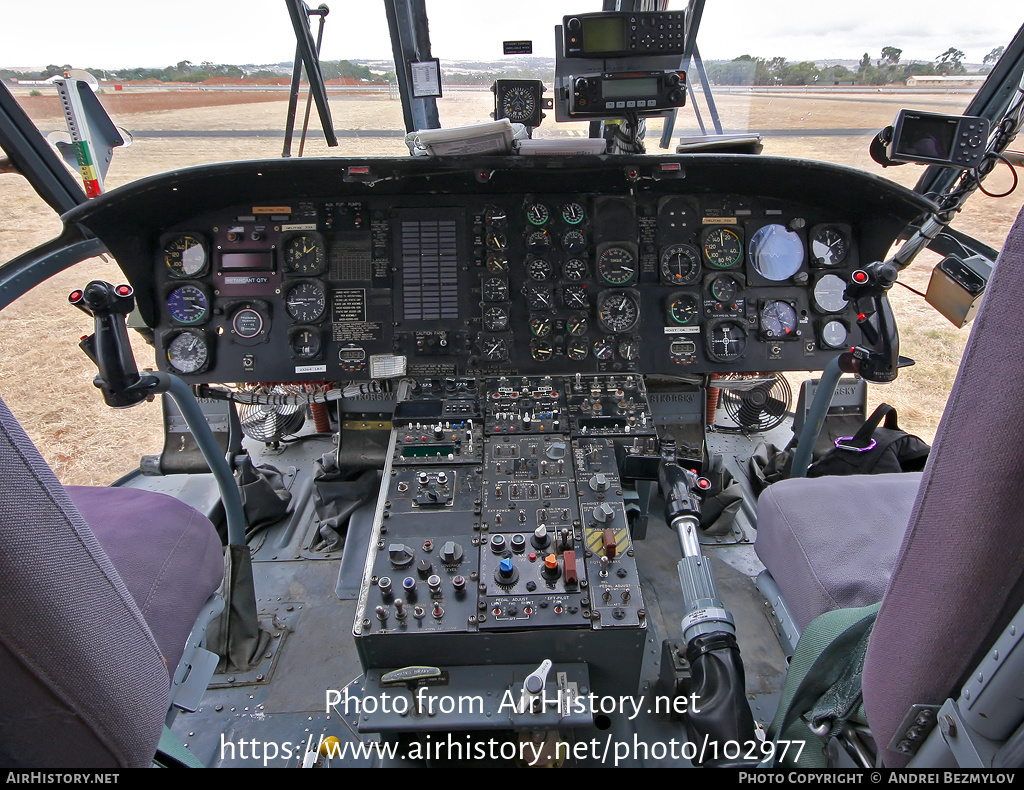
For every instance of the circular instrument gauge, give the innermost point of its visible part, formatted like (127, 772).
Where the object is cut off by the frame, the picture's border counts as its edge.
(616, 265)
(576, 326)
(540, 270)
(305, 343)
(494, 349)
(573, 213)
(722, 248)
(495, 216)
(305, 254)
(604, 349)
(574, 242)
(495, 319)
(778, 319)
(496, 241)
(188, 352)
(539, 298)
(829, 245)
(306, 302)
(776, 253)
(680, 264)
(617, 311)
(188, 304)
(538, 241)
(185, 255)
(518, 104)
(575, 269)
(537, 214)
(541, 350)
(726, 341)
(248, 322)
(540, 327)
(497, 262)
(834, 334)
(683, 309)
(495, 289)
(725, 289)
(577, 350)
(629, 350)
(828, 294)
(575, 297)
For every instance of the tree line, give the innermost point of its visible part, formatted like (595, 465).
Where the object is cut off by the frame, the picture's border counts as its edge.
(888, 69)
(186, 71)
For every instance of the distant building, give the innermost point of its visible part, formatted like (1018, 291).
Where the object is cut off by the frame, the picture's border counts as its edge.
(955, 81)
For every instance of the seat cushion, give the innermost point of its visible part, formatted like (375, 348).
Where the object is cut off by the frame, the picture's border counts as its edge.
(168, 555)
(831, 542)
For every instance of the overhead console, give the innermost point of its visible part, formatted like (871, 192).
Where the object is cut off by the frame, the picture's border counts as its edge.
(589, 265)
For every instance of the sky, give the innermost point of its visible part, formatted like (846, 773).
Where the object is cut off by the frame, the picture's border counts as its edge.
(150, 33)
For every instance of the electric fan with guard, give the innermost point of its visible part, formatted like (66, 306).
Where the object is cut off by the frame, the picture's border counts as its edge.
(761, 406)
(268, 422)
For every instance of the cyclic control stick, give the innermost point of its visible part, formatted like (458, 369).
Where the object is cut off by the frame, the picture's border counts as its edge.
(720, 713)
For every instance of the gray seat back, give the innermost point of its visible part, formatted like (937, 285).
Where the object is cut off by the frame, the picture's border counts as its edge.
(957, 579)
(83, 681)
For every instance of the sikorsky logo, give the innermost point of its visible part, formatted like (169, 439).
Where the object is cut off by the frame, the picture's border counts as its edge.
(672, 397)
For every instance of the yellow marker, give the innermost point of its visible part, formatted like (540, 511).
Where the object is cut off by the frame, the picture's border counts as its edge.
(330, 747)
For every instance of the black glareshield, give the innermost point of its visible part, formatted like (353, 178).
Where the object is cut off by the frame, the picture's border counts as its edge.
(108, 347)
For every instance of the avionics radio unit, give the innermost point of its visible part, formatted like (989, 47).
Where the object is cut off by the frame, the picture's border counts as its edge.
(623, 34)
(603, 95)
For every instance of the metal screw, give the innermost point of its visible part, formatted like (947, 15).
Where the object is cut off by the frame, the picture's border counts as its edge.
(948, 726)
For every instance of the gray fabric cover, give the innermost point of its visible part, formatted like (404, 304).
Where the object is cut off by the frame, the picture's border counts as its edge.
(831, 542)
(71, 637)
(168, 555)
(958, 576)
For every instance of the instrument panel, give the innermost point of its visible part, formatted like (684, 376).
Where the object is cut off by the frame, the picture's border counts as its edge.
(530, 283)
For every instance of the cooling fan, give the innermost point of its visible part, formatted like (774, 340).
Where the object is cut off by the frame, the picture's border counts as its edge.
(268, 422)
(759, 404)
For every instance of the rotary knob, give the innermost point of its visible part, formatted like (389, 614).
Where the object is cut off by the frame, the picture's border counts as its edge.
(451, 553)
(604, 513)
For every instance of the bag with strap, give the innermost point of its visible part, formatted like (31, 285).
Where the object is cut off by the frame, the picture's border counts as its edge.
(874, 449)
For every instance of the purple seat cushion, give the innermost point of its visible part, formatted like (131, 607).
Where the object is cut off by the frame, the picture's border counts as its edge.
(168, 555)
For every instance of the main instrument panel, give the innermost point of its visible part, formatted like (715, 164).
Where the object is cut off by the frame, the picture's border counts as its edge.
(534, 283)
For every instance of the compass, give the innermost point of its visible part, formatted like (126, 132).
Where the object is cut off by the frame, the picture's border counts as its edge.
(519, 100)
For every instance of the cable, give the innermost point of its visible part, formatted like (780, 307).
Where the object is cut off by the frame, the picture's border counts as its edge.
(913, 290)
(1013, 172)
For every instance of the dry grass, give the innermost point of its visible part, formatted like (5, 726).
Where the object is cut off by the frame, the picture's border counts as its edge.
(46, 379)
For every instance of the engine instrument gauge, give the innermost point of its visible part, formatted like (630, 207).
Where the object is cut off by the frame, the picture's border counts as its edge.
(575, 269)
(726, 341)
(540, 326)
(537, 214)
(495, 319)
(722, 248)
(680, 264)
(539, 298)
(616, 266)
(617, 311)
(540, 270)
(683, 309)
(574, 242)
(494, 349)
(306, 302)
(725, 289)
(576, 297)
(538, 241)
(305, 343)
(185, 255)
(495, 216)
(778, 319)
(305, 253)
(578, 349)
(828, 293)
(541, 350)
(604, 349)
(188, 304)
(829, 245)
(188, 352)
(497, 262)
(494, 289)
(496, 240)
(629, 350)
(576, 326)
(834, 334)
(573, 213)
(776, 252)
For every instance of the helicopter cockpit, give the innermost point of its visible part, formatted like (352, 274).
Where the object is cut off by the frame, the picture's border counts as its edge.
(470, 454)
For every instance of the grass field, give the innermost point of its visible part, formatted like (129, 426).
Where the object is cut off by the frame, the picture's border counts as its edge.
(46, 379)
